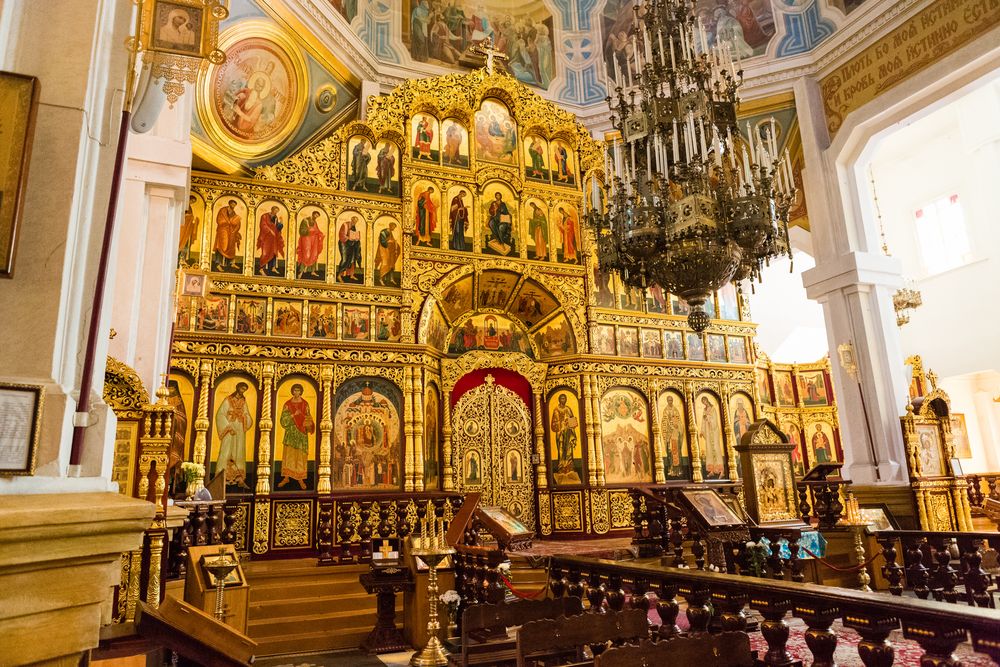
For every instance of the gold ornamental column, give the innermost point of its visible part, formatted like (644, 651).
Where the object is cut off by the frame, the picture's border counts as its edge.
(729, 433)
(595, 412)
(156, 540)
(409, 473)
(418, 429)
(922, 510)
(588, 428)
(447, 470)
(659, 475)
(541, 473)
(266, 424)
(323, 472)
(693, 435)
(201, 423)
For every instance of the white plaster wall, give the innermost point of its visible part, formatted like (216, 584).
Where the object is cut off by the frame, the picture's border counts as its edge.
(952, 149)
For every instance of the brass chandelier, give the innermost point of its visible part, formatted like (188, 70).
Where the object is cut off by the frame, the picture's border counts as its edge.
(686, 207)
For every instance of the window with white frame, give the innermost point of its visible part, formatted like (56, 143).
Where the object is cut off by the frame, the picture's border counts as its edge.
(941, 235)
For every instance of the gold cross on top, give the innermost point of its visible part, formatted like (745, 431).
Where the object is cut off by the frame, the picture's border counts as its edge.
(486, 48)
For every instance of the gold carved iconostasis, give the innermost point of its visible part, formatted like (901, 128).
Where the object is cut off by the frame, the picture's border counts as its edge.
(413, 305)
(799, 399)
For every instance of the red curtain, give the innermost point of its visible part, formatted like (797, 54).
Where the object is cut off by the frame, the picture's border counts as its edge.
(503, 377)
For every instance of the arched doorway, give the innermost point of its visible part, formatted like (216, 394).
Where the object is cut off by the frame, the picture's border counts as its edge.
(492, 432)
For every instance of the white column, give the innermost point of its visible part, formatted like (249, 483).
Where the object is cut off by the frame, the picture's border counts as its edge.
(854, 283)
(154, 198)
(75, 47)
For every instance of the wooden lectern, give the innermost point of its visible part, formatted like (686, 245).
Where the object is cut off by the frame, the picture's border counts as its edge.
(200, 586)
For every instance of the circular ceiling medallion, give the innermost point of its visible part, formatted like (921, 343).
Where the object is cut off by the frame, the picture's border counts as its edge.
(252, 104)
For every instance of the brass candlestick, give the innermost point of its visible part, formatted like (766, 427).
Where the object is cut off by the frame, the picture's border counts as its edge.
(430, 547)
(220, 567)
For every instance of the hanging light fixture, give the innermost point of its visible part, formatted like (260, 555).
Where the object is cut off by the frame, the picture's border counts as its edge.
(685, 208)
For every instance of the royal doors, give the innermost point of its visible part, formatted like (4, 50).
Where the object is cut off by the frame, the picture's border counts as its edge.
(493, 449)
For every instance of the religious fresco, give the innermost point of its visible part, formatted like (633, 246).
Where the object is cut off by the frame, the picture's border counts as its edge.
(357, 323)
(798, 456)
(820, 443)
(673, 430)
(350, 249)
(729, 304)
(695, 347)
(388, 266)
(180, 396)
(565, 443)
(783, 389)
(459, 230)
(555, 338)
(567, 223)
(656, 300)
(269, 255)
(233, 432)
(367, 435)
(388, 326)
(432, 436)
(812, 389)
(437, 331)
(286, 318)
(294, 460)
(212, 314)
(425, 138)
(322, 320)
(563, 161)
(651, 344)
(628, 341)
(625, 437)
(251, 316)
(532, 303)
(673, 344)
(495, 133)
(746, 26)
(711, 442)
(426, 206)
(182, 313)
(763, 386)
(495, 288)
(455, 146)
(536, 158)
(604, 340)
(457, 298)
(716, 347)
(741, 415)
(494, 333)
(310, 240)
(373, 168)
(189, 241)
(500, 221)
(445, 35)
(229, 235)
(538, 240)
(738, 350)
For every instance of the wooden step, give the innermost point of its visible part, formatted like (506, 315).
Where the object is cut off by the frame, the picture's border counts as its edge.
(311, 642)
(323, 604)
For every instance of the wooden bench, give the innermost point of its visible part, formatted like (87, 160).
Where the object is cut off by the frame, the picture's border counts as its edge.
(484, 628)
(727, 649)
(539, 641)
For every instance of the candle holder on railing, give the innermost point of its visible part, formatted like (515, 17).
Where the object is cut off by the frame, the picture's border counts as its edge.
(857, 524)
(430, 546)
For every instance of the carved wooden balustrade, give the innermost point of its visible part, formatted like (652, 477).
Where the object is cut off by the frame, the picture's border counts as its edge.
(944, 565)
(348, 524)
(820, 501)
(660, 524)
(980, 487)
(938, 628)
(208, 522)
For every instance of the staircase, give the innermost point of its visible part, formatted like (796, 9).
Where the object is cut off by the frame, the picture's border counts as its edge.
(298, 607)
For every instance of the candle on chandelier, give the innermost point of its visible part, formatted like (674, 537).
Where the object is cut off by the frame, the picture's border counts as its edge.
(673, 59)
(676, 147)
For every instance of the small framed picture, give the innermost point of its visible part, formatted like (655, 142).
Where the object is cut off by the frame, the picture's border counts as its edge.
(956, 467)
(20, 418)
(193, 283)
(177, 27)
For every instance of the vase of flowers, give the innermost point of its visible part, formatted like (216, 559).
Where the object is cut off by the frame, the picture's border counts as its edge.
(190, 472)
(451, 599)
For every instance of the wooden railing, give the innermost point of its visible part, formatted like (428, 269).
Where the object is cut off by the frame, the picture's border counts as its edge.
(980, 487)
(938, 628)
(348, 524)
(208, 522)
(660, 524)
(930, 567)
(820, 501)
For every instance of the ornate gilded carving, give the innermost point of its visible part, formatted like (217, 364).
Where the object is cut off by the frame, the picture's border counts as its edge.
(568, 511)
(345, 372)
(123, 390)
(292, 524)
(621, 509)
(544, 512)
(454, 369)
(600, 512)
(261, 526)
